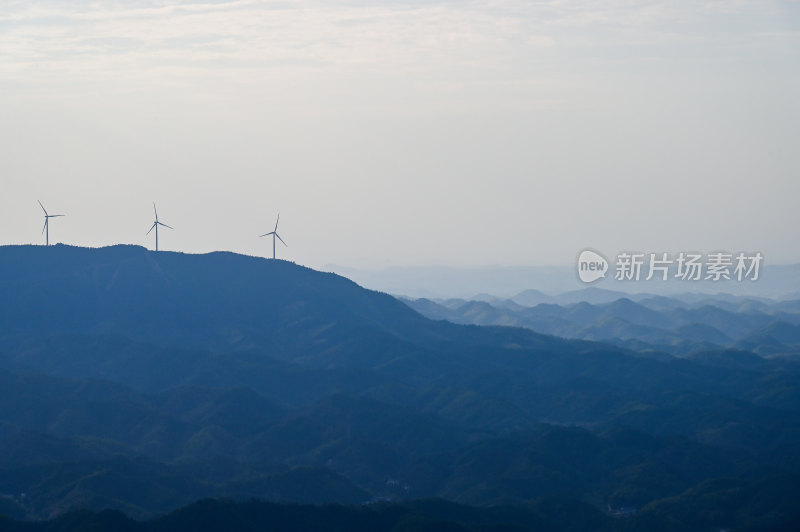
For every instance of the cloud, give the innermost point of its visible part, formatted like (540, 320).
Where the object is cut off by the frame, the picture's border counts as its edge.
(231, 49)
(170, 42)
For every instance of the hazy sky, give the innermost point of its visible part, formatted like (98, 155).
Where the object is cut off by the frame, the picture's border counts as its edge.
(404, 132)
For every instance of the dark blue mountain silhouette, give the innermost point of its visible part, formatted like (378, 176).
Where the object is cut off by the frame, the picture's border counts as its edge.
(143, 381)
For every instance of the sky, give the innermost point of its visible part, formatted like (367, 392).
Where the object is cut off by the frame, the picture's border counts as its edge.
(392, 133)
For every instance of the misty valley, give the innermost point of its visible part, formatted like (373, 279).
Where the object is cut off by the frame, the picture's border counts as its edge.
(170, 391)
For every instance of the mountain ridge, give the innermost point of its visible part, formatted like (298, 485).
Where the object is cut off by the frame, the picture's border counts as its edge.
(224, 375)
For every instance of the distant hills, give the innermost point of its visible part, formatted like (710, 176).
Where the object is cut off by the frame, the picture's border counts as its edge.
(144, 381)
(443, 282)
(677, 325)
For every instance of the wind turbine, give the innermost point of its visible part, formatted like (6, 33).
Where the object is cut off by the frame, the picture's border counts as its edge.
(156, 224)
(46, 228)
(275, 234)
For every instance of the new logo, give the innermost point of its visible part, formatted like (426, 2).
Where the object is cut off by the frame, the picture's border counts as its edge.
(591, 266)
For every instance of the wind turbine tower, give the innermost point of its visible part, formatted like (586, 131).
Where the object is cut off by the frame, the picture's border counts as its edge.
(275, 234)
(46, 228)
(156, 224)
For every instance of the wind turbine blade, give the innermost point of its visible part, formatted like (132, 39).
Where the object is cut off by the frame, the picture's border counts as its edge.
(165, 225)
(155, 211)
(276, 222)
(279, 238)
(56, 215)
(44, 226)
(265, 235)
(42, 206)
(151, 228)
